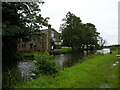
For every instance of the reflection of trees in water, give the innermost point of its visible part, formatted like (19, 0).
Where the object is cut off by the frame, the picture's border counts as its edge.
(72, 59)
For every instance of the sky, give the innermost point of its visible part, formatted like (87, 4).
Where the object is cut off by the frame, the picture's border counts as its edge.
(102, 13)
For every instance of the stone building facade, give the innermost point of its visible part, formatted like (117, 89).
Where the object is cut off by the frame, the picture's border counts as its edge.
(45, 40)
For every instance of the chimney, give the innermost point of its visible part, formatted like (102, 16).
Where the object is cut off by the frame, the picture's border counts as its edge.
(49, 26)
(49, 38)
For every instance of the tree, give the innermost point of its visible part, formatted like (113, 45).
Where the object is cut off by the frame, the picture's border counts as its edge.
(78, 35)
(72, 31)
(101, 42)
(91, 36)
(18, 21)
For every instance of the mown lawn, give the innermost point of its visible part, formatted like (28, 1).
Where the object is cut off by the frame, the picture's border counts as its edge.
(95, 72)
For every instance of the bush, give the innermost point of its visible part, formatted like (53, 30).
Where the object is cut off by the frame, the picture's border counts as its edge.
(44, 64)
(11, 78)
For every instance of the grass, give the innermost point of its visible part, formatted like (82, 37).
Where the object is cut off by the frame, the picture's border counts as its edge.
(64, 50)
(30, 54)
(95, 72)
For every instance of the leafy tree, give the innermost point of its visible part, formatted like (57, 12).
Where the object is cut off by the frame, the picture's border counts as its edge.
(72, 31)
(78, 35)
(90, 36)
(19, 19)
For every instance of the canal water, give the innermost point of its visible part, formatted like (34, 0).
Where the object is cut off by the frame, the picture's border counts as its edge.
(67, 60)
(62, 60)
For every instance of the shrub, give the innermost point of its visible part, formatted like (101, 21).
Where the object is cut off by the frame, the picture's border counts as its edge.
(44, 64)
(11, 78)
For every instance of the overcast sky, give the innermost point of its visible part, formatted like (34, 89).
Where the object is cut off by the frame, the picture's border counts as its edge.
(102, 13)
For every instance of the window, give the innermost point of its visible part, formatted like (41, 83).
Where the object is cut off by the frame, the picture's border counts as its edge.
(22, 45)
(18, 45)
(52, 34)
(31, 46)
(35, 47)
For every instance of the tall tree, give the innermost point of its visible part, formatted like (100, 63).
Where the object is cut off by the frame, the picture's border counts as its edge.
(72, 31)
(90, 36)
(78, 35)
(19, 20)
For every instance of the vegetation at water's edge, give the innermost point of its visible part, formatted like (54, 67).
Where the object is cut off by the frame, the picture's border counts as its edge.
(11, 78)
(44, 64)
(63, 50)
(94, 72)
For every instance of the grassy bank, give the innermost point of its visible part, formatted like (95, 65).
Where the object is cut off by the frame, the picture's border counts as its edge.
(94, 72)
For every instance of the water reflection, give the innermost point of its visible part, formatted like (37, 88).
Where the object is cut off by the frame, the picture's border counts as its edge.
(25, 66)
(63, 60)
(67, 60)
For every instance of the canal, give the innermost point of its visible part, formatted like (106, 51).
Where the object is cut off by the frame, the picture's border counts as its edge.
(62, 60)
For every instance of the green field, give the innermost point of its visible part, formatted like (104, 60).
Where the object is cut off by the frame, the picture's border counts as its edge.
(95, 72)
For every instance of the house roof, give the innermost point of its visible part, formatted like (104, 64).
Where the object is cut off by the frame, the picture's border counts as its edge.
(45, 31)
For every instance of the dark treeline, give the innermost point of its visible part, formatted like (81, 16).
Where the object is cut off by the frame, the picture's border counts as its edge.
(113, 46)
(77, 35)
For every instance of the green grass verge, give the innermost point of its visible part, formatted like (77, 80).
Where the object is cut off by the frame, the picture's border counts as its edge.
(95, 72)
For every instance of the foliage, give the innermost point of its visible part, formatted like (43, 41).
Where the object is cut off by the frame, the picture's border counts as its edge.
(44, 64)
(66, 49)
(11, 78)
(62, 51)
(118, 50)
(94, 72)
(26, 15)
(31, 54)
(77, 35)
(19, 19)
(91, 35)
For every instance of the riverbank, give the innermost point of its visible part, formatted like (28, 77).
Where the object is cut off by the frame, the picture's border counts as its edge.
(98, 71)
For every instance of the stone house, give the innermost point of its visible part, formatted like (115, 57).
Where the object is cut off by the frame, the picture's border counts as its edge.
(44, 40)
